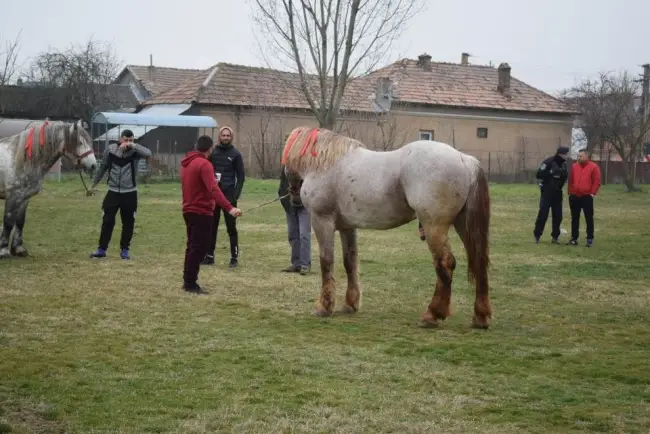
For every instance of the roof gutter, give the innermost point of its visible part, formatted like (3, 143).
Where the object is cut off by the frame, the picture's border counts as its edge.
(487, 117)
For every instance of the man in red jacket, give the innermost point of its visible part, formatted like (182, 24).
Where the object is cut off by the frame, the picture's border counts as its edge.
(584, 182)
(201, 195)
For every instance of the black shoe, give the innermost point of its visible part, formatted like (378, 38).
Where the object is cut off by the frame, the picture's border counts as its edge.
(193, 288)
(233, 263)
(208, 260)
(304, 270)
(590, 243)
(291, 269)
(572, 242)
(555, 241)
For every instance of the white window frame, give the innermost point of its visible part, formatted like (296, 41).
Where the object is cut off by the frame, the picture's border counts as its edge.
(426, 135)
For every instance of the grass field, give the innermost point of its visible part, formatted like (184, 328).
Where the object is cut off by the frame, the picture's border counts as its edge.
(116, 346)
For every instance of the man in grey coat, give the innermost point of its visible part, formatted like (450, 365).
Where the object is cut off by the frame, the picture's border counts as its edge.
(120, 162)
(298, 229)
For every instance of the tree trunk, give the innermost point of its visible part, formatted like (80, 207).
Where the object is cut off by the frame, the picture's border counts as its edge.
(628, 177)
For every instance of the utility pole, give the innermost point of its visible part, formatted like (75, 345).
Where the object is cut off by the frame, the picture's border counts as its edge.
(645, 102)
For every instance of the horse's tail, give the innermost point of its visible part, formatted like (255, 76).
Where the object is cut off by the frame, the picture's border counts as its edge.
(477, 227)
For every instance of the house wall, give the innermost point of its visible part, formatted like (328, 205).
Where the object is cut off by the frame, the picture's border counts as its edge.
(514, 146)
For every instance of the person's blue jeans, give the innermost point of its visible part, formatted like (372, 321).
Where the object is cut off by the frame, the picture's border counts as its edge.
(299, 232)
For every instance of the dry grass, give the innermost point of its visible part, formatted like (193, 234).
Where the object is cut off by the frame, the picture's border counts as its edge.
(114, 346)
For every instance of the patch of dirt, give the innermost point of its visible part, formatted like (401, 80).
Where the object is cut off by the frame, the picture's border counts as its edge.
(21, 417)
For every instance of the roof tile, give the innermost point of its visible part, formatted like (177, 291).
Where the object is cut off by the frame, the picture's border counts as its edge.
(446, 84)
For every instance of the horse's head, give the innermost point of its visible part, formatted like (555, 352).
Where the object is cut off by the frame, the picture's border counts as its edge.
(78, 147)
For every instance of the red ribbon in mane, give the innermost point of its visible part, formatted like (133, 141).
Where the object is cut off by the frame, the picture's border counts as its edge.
(29, 143)
(310, 141)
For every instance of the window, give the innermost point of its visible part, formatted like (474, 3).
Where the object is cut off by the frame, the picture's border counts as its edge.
(481, 133)
(426, 135)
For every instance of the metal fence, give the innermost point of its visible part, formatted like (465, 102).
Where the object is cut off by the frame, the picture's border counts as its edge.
(500, 166)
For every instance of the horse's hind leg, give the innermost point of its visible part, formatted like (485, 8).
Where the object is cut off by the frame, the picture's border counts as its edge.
(351, 263)
(444, 263)
(324, 231)
(17, 247)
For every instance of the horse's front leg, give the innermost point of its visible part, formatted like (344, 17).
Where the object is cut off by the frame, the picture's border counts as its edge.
(17, 247)
(351, 263)
(7, 225)
(324, 230)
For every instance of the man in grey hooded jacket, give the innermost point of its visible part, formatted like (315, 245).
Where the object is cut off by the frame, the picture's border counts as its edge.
(120, 162)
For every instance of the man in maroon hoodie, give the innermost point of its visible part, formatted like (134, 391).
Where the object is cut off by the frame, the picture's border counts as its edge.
(201, 195)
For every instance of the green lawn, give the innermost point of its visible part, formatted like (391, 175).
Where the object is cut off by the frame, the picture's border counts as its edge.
(116, 346)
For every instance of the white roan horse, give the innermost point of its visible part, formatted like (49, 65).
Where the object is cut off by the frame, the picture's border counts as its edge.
(346, 186)
(25, 158)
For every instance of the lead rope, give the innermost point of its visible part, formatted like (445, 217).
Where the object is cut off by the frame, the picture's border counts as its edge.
(266, 203)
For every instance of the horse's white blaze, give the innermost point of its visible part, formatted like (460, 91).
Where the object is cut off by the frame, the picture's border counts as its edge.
(89, 161)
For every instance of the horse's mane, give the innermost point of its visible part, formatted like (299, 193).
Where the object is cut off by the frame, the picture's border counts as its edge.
(53, 133)
(314, 149)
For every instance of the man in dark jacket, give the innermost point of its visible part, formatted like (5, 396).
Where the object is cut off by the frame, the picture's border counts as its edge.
(228, 166)
(201, 196)
(551, 175)
(120, 162)
(298, 229)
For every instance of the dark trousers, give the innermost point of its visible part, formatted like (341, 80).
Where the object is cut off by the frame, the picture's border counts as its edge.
(549, 200)
(127, 204)
(231, 227)
(578, 204)
(199, 229)
(299, 235)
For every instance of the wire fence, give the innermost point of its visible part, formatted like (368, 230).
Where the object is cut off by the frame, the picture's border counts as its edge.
(500, 166)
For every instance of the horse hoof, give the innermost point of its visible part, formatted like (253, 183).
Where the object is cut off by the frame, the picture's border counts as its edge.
(428, 324)
(20, 251)
(321, 313)
(480, 324)
(347, 310)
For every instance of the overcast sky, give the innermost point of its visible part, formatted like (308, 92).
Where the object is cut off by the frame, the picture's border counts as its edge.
(549, 44)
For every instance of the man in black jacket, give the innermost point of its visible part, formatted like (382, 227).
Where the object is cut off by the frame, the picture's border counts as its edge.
(228, 167)
(551, 175)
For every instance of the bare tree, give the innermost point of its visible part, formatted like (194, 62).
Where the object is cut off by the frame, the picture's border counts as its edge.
(8, 60)
(377, 130)
(85, 72)
(9, 51)
(611, 115)
(265, 131)
(330, 42)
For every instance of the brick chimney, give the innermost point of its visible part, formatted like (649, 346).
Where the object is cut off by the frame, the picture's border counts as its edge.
(464, 59)
(151, 69)
(504, 80)
(384, 88)
(424, 61)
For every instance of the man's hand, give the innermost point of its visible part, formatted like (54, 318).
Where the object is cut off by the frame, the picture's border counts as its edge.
(593, 196)
(126, 145)
(90, 191)
(235, 212)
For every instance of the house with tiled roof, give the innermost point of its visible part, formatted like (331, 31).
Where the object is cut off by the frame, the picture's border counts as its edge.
(482, 110)
(149, 81)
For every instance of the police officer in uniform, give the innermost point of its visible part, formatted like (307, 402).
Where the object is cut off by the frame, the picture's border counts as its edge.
(551, 175)
(228, 167)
